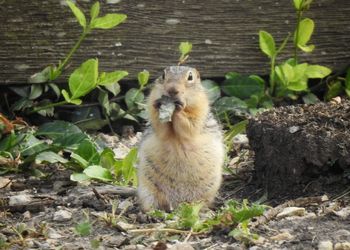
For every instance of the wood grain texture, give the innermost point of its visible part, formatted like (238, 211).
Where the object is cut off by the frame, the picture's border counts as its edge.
(224, 34)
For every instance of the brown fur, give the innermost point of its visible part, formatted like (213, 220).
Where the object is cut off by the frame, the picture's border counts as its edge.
(181, 160)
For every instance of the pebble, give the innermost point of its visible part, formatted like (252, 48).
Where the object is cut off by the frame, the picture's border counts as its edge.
(325, 245)
(116, 241)
(27, 215)
(181, 246)
(62, 215)
(342, 246)
(19, 200)
(291, 211)
(52, 234)
(125, 226)
(282, 237)
(343, 213)
(125, 204)
(5, 182)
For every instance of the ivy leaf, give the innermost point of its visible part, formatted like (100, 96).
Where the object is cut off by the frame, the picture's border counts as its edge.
(317, 71)
(132, 97)
(111, 77)
(41, 77)
(267, 43)
(78, 13)
(184, 48)
(95, 10)
(83, 79)
(143, 78)
(108, 21)
(98, 172)
(306, 28)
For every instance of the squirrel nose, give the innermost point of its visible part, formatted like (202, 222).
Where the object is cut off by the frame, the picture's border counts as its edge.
(172, 92)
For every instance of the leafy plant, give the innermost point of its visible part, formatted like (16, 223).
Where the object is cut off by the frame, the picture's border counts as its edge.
(64, 143)
(184, 48)
(84, 227)
(82, 80)
(291, 76)
(233, 215)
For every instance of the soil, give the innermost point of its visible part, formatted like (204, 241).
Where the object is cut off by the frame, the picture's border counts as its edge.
(295, 144)
(42, 213)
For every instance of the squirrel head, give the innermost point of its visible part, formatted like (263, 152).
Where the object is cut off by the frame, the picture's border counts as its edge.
(183, 85)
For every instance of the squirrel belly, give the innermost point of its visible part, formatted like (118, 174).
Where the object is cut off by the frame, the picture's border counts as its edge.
(180, 161)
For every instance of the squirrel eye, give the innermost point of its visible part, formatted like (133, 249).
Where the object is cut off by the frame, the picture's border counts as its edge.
(190, 77)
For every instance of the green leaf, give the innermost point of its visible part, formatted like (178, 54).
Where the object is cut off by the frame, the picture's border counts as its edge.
(79, 177)
(310, 98)
(143, 77)
(83, 79)
(32, 146)
(70, 141)
(55, 89)
(95, 10)
(107, 159)
(299, 71)
(212, 89)
(78, 13)
(98, 172)
(184, 48)
(87, 150)
(76, 101)
(108, 21)
(57, 129)
(41, 77)
(334, 90)
(114, 88)
(242, 86)
(307, 48)
(230, 104)
(50, 157)
(35, 91)
(129, 170)
(306, 28)
(299, 85)
(104, 101)
(267, 43)
(66, 95)
(347, 82)
(189, 215)
(298, 4)
(317, 71)
(79, 160)
(83, 229)
(132, 97)
(236, 129)
(111, 77)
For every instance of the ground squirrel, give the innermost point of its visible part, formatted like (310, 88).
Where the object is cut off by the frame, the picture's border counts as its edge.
(180, 160)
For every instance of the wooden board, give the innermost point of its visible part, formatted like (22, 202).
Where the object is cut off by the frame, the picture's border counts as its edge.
(224, 34)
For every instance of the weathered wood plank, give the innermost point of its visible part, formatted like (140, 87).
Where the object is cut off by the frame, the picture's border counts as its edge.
(224, 33)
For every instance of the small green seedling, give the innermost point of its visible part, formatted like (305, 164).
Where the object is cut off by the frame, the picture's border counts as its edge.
(185, 48)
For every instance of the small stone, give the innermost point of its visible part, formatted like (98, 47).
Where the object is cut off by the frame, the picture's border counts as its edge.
(116, 241)
(241, 139)
(5, 182)
(282, 237)
(342, 246)
(291, 211)
(181, 246)
(62, 215)
(125, 204)
(342, 235)
(343, 213)
(294, 129)
(19, 200)
(27, 215)
(325, 245)
(125, 226)
(52, 234)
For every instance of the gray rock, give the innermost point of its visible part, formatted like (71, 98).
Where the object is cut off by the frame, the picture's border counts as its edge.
(181, 246)
(116, 241)
(342, 246)
(20, 200)
(291, 211)
(52, 234)
(62, 215)
(325, 245)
